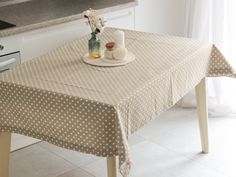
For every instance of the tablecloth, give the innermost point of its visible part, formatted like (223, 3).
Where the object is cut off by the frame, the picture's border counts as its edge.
(59, 99)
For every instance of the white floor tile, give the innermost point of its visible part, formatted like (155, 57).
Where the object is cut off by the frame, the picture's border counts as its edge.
(135, 139)
(151, 159)
(77, 158)
(167, 122)
(20, 141)
(222, 154)
(76, 173)
(35, 161)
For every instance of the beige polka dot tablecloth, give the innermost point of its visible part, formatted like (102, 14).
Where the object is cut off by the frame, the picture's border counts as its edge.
(59, 99)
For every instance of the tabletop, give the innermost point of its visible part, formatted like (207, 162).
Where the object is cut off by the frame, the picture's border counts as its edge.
(60, 99)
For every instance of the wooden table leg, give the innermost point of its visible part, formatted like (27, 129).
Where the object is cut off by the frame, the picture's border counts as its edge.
(111, 166)
(202, 114)
(5, 142)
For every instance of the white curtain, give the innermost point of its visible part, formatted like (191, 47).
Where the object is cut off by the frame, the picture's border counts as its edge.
(214, 21)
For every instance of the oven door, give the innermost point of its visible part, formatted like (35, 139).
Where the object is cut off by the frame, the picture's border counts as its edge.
(9, 61)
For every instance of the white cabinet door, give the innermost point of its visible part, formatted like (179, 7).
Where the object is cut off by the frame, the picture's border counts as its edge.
(10, 44)
(120, 19)
(41, 41)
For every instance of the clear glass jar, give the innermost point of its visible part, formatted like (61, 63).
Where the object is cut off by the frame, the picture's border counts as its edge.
(94, 45)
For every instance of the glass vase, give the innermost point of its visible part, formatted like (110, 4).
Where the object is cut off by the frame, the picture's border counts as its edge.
(94, 45)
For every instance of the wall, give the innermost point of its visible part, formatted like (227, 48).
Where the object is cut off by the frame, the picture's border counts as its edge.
(160, 16)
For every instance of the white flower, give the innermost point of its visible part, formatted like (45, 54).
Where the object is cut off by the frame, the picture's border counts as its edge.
(86, 13)
(102, 21)
(96, 23)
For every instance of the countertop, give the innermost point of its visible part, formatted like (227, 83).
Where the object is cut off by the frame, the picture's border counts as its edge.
(35, 14)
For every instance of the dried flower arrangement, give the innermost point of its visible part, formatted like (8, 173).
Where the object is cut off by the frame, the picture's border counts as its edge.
(96, 23)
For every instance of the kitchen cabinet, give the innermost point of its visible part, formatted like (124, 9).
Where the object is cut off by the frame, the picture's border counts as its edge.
(38, 42)
(121, 19)
(10, 44)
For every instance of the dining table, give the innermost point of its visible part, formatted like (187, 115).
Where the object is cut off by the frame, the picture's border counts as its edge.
(60, 99)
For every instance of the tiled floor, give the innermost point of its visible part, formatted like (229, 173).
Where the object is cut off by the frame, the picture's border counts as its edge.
(167, 147)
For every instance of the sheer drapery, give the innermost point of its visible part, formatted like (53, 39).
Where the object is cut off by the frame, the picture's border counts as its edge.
(214, 21)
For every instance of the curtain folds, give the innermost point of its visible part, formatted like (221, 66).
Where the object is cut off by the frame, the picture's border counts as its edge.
(214, 21)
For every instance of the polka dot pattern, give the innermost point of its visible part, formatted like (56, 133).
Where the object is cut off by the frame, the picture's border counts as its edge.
(59, 99)
(218, 66)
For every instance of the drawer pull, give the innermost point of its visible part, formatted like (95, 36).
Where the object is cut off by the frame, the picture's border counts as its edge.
(1, 47)
(115, 17)
(7, 62)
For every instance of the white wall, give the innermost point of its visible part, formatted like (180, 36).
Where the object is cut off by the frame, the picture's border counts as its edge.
(160, 16)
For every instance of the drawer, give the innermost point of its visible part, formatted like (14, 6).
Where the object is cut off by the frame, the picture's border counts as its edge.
(41, 41)
(9, 61)
(9, 44)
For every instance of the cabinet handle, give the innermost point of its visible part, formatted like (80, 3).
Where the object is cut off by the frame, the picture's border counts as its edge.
(7, 62)
(119, 16)
(1, 47)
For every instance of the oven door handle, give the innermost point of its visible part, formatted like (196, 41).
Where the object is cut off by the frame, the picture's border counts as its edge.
(7, 62)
